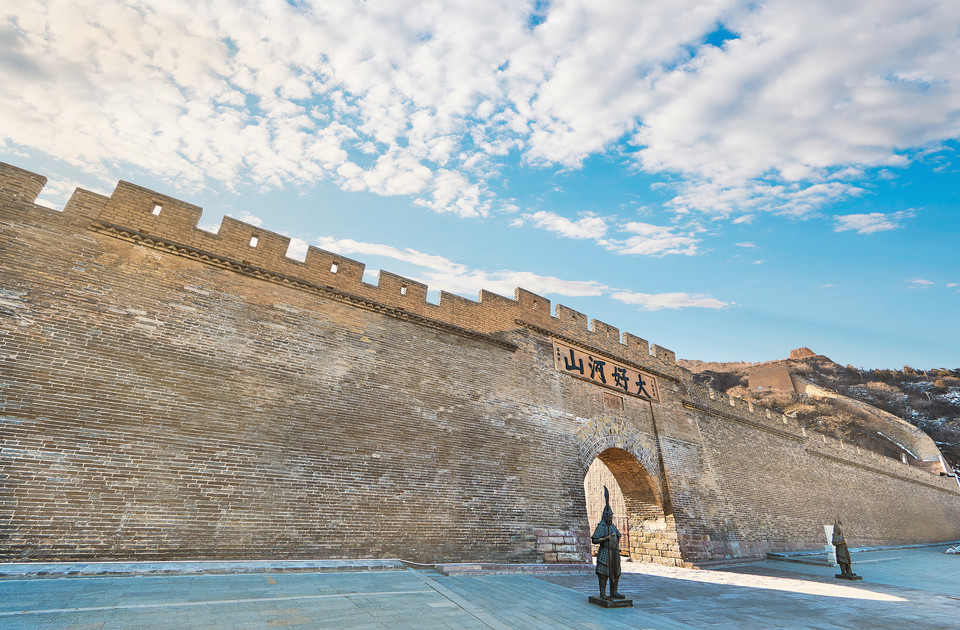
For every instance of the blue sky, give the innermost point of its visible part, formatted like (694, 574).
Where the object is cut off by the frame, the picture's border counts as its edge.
(727, 179)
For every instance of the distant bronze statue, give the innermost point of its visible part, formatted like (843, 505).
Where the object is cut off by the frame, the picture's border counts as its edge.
(608, 558)
(843, 554)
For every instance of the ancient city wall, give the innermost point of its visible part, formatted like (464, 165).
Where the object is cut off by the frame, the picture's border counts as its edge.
(777, 485)
(170, 393)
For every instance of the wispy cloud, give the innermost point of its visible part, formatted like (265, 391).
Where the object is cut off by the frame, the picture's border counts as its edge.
(439, 272)
(658, 301)
(870, 223)
(240, 215)
(631, 238)
(724, 199)
(247, 217)
(442, 273)
(55, 193)
(298, 249)
(777, 119)
(920, 283)
(589, 226)
(746, 244)
(654, 240)
(350, 247)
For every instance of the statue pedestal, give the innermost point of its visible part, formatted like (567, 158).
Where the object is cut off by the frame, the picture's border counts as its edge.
(611, 603)
(852, 576)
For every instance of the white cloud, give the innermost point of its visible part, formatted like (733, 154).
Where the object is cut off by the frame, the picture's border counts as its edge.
(643, 239)
(792, 101)
(270, 93)
(589, 226)
(950, 285)
(55, 194)
(350, 247)
(746, 244)
(658, 301)
(298, 249)
(442, 273)
(790, 199)
(871, 222)
(920, 283)
(426, 99)
(452, 192)
(505, 281)
(654, 240)
(246, 217)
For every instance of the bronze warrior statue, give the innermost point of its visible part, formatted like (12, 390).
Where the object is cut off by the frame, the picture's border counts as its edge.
(608, 558)
(843, 553)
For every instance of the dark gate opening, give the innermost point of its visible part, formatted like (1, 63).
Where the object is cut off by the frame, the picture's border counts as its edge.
(647, 533)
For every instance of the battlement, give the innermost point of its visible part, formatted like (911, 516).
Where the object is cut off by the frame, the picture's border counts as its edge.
(706, 399)
(258, 390)
(155, 219)
(712, 401)
(19, 184)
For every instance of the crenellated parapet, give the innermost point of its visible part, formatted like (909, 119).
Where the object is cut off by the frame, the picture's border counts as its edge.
(704, 399)
(836, 450)
(708, 400)
(153, 219)
(203, 395)
(19, 184)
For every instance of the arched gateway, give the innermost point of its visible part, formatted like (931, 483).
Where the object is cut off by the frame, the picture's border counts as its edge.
(651, 533)
(649, 530)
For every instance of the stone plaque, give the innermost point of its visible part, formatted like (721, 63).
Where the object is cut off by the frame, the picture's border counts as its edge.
(603, 371)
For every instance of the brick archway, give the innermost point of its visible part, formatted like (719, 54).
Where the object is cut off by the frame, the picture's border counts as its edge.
(652, 532)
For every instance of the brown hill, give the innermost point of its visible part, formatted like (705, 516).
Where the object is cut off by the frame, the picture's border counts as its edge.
(927, 399)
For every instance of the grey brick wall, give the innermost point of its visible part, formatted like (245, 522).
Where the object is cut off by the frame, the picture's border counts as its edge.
(168, 394)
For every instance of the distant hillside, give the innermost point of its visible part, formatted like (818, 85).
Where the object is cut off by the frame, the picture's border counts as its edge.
(927, 399)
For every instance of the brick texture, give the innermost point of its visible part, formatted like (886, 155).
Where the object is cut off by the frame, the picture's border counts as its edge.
(167, 393)
(773, 376)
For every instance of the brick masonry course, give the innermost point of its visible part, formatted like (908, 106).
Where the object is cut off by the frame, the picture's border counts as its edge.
(169, 394)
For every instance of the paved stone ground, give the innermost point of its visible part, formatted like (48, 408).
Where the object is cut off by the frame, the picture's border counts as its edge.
(907, 588)
(901, 588)
(376, 599)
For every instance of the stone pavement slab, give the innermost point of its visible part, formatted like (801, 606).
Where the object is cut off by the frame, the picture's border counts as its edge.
(901, 589)
(385, 599)
(925, 568)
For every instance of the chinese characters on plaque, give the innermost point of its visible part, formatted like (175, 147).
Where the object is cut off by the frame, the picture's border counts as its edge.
(600, 370)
